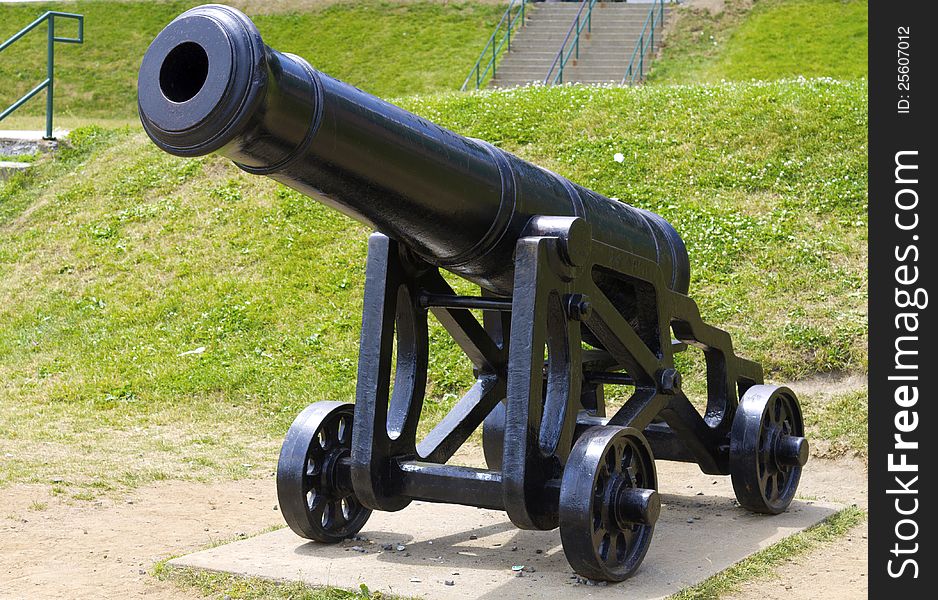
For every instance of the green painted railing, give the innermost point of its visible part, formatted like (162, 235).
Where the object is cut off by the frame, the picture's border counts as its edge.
(635, 72)
(569, 46)
(49, 83)
(499, 42)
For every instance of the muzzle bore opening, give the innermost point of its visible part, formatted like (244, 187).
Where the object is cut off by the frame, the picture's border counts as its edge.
(183, 72)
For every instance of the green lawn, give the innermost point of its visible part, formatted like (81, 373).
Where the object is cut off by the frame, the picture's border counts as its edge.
(119, 260)
(163, 318)
(772, 39)
(386, 48)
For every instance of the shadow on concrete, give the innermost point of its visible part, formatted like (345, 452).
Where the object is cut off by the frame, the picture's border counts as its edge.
(458, 552)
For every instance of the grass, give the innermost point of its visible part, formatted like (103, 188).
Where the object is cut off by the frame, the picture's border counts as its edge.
(843, 421)
(762, 564)
(771, 39)
(118, 260)
(386, 48)
(224, 585)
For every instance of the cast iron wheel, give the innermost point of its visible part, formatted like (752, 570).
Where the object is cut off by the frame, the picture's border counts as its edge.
(312, 500)
(608, 503)
(767, 449)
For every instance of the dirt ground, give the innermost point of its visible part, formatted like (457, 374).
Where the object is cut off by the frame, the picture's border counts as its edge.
(105, 548)
(835, 572)
(53, 547)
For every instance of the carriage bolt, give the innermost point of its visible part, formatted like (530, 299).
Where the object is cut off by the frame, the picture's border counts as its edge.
(791, 451)
(578, 307)
(637, 505)
(670, 381)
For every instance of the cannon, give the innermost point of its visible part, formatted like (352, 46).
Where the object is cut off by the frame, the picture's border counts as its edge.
(576, 292)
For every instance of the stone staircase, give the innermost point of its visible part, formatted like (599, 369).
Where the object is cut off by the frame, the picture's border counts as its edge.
(604, 53)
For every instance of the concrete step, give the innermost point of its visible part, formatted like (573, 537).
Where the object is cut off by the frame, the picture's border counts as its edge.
(593, 42)
(604, 52)
(21, 143)
(8, 168)
(557, 36)
(600, 61)
(603, 48)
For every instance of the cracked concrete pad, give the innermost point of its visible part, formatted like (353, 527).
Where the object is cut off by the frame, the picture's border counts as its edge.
(457, 552)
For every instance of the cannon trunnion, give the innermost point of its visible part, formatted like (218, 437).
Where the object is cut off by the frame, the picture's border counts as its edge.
(577, 292)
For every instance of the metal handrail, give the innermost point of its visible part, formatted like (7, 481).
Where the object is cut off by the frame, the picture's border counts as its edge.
(576, 25)
(641, 48)
(48, 84)
(496, 46)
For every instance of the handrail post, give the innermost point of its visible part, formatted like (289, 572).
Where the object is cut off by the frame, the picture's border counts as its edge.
(508, 21)
(652, 36)
(48, 84)
(50, 75)
(577, 40)
(641, 56)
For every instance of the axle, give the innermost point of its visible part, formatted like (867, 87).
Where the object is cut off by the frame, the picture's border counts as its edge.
(482, 488)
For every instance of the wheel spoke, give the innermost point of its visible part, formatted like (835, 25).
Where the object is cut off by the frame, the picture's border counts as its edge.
(315, 504)
(622, 547)
(611, 461)
(330, 434)
(630, 461)
(789, 425)
(325, 519)
(604, 543)
(611, 557)
(763, 475)
(597, 536)
(600, 516)
(344, 431)
(352, 507)
(338, 515)
(314, 460)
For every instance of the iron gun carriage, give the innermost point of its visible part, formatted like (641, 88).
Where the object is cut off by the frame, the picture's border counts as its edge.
(577, 292)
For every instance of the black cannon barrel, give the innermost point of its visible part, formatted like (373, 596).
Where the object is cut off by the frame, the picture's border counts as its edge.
(208, 83)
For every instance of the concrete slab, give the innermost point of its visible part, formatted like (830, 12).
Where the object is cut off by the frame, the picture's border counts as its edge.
(475, 549)
(8, 168)
(18, 142)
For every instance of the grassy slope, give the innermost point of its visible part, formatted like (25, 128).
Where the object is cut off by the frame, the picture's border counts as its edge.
(117, 258)
(386, 48)
(773, 39)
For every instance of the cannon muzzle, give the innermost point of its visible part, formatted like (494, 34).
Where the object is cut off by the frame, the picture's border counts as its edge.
(209, 84)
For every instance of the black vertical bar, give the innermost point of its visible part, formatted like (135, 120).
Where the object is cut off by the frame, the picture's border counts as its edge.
(903, 270)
